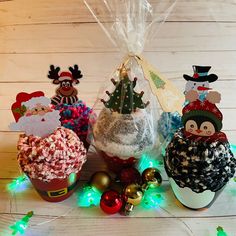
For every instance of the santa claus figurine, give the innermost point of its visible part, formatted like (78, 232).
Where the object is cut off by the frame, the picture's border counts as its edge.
(50, 155)
(34, 115)
(198, 160)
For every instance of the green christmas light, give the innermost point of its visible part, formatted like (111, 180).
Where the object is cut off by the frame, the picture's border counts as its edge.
(221, 232)
(21, 225)
(151, 199)
(19, 184)
(72, 178)
(89, 196)
(233, 148)
(146, 161)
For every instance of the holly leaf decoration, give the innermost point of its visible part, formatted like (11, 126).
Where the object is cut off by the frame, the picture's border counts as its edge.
(21, 110)
(159, 83)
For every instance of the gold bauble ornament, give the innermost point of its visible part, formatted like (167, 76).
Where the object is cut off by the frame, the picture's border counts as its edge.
(152, 177)
(133, 194)
(101, 180)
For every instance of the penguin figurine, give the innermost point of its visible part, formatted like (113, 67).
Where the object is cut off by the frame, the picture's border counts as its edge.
(198, 159)
(200, 81)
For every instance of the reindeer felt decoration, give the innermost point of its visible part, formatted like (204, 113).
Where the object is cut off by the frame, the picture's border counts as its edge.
(66, 93)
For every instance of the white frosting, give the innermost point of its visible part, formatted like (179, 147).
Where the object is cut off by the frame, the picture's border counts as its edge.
(124, 135)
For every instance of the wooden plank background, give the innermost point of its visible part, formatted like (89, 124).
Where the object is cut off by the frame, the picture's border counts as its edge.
(35, 34)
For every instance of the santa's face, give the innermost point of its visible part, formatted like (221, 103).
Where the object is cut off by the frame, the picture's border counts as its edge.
(39, 121)
(200, 87)
(39, 109)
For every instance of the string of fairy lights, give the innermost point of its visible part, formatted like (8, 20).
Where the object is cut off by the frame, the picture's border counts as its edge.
(91, 195)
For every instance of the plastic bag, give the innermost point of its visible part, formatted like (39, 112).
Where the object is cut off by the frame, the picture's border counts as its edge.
(129, 111)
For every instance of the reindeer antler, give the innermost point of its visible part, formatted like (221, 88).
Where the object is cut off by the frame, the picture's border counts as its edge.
(76, 73)
(54, 74)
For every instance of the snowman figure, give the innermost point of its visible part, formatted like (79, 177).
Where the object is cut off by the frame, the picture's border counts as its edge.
(198, 160)
(200, 81)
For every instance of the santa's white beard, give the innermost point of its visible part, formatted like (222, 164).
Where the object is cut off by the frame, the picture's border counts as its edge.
(35, 126)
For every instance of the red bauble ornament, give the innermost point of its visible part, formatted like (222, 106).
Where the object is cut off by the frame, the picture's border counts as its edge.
(130, 176)
(111, 202)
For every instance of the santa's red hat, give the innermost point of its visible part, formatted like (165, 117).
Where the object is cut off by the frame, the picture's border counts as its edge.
(24, 100)
(203, 108)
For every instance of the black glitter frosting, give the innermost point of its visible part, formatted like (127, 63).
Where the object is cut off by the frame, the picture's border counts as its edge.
(199, 165)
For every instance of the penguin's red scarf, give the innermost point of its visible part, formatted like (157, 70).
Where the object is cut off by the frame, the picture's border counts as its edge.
(218, 136)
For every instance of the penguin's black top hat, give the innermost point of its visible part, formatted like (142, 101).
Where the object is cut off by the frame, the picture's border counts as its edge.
(201, 74)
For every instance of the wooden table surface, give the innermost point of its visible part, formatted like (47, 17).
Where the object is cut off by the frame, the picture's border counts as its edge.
(35, 34)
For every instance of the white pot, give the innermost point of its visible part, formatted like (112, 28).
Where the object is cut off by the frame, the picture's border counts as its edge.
(190, 198)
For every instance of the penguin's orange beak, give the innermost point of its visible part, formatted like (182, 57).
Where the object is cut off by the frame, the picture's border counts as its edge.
(198, 131)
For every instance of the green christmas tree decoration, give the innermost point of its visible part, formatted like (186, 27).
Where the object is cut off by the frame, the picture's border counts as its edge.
(19, 184)
(124, 99)
(159, 83)
(220, 231)
(21, 225)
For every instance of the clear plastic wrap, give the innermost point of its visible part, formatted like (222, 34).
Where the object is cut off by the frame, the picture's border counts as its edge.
(129, 110)
(130, 24)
